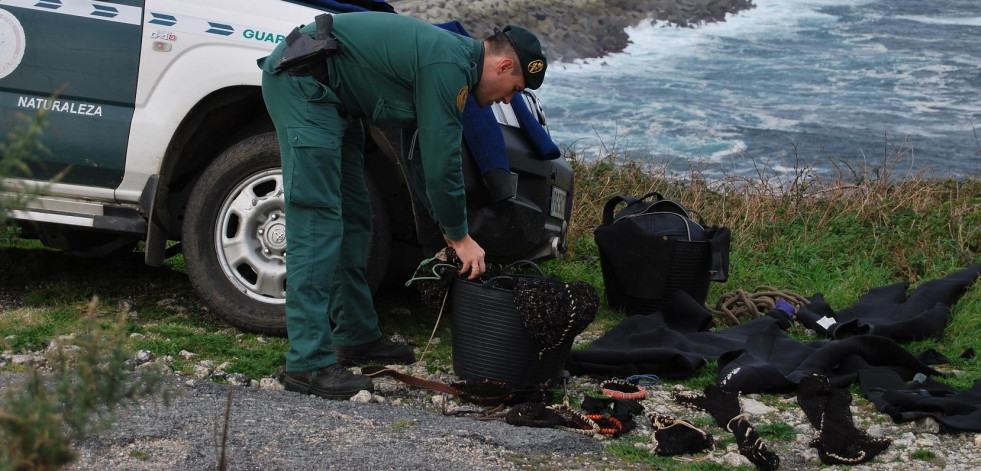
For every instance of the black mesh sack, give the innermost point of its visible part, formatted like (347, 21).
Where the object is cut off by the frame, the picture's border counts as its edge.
(654, 247)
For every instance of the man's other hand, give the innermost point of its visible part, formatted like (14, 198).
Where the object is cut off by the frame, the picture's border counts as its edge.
(470, 253)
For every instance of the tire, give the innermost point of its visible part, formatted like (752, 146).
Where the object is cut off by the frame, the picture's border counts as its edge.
(234, 240)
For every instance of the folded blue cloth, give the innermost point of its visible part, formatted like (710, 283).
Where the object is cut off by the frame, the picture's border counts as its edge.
(544, 146)
(480, 128)
(483, 134)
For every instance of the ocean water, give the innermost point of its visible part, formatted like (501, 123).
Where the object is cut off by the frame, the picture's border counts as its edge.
(813, 83)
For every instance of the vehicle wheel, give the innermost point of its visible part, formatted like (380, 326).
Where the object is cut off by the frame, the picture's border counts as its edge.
(234, 237)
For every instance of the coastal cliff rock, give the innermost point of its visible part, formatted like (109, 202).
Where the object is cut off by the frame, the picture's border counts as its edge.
(571, 29)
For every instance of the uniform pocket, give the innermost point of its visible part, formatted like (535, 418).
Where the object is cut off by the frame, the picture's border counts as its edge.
(390, 113)
(311, 173)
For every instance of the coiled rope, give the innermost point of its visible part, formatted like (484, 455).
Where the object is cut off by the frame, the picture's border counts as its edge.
(739, 305)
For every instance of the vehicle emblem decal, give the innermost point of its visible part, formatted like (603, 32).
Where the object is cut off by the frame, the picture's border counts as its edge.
(12, 43)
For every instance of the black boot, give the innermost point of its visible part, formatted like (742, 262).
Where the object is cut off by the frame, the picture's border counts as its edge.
(382, 351)
(813, 392)
(331, 382)
(673, 436)
(840, 442)
(751, 446)
(721, 404)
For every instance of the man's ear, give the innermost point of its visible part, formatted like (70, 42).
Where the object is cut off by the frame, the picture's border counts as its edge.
(505, 65)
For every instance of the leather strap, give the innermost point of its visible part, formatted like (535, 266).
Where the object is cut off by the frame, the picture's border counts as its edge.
(374, 371)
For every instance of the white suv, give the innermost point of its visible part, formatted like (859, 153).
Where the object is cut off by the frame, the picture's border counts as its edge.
(156, 124)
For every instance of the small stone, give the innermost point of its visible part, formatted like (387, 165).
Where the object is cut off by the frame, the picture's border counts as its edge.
(753, 407)
(22, 359)
(238, 379)
(144, 356)
(204, 369)
(271, 383)
(927, 425)
(152, 367)
(362, 397)
(734, 460)
(439, 401)
(977, 440)
(187, 355)
(927, 440)
(137, 336)
(386, 387)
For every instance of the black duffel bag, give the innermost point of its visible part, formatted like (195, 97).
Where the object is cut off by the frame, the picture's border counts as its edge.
(654, 247)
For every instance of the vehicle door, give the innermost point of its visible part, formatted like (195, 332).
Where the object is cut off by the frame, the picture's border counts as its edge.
(78, 60)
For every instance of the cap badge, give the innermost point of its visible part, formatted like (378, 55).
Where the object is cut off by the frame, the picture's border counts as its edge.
(535, 66)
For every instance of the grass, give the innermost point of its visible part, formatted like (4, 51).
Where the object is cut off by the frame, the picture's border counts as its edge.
(838, 234)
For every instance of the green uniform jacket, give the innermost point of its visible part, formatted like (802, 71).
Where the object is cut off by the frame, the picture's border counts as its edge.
(399, 72)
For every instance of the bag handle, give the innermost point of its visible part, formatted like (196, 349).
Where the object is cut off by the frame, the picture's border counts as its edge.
(526, 262)
(613, 202)
(678, 208)
(510, 274)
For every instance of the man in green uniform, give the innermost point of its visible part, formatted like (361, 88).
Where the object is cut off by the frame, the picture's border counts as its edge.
(390, 71)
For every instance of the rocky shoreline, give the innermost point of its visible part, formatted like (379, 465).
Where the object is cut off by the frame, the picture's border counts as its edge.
(572, 29)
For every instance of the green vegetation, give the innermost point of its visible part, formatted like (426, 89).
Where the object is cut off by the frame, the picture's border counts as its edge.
(19, 148)
(777, 431)
(923, 455)
(42, 415)
(404, 423)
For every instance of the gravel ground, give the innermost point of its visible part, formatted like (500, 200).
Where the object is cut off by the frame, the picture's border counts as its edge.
(402, 427)
(271, 429)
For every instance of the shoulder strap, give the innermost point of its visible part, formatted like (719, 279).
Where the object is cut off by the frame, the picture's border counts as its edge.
(613, 202)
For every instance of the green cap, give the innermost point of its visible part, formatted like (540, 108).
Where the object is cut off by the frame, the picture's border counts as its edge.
(530, 55)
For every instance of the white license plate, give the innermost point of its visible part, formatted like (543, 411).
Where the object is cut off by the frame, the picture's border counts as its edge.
(559, 197)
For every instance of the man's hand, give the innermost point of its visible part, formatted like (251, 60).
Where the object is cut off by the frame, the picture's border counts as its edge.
(470, 253)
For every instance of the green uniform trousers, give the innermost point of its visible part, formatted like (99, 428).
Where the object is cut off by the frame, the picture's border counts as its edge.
(328, 221)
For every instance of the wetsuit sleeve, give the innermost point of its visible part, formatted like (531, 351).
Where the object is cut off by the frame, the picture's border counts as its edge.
(438, 117)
